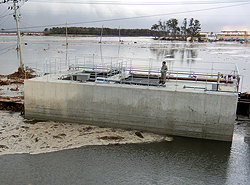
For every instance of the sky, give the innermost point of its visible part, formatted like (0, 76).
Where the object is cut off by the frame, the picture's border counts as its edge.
(214, 15)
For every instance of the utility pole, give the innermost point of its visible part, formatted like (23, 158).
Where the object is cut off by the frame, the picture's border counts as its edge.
(101, 35)
(66, 34)
(15, 6)
(18, 34)
(119, 34)
(67, 44)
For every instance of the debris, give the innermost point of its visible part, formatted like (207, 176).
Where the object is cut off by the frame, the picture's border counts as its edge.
(14, 89)
(169, 139)
(13, 101)
(245, 95)
(4, 146)
(114, 144)
(23, 74)
(111, 137)
(12, 106)
(3, 82)
(59, 136)
(139, 134)
(88, 128)
(11, 81)
(24, 127)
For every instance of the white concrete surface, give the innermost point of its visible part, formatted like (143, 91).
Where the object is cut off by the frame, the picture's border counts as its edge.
(172, 110)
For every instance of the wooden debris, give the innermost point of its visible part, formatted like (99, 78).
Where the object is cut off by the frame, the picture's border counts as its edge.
(139, 134)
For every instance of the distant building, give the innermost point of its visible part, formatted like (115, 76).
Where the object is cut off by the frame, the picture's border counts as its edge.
(203, 37)
(233, 36)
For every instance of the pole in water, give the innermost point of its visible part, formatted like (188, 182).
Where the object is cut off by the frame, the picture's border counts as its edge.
(66, 43)
(101, 35)
(18, 35)
(119, 34)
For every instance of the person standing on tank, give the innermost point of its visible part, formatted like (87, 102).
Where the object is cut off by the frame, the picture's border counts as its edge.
(164, 69)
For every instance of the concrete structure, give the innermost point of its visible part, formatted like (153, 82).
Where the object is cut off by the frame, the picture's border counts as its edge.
(173, 110)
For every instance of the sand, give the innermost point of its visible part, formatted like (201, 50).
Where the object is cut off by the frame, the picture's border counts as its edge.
(18, 135)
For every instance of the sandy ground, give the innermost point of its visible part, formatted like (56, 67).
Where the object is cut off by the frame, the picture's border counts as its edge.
(19, 136)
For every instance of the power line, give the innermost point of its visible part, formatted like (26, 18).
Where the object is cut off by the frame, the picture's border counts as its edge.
(139, 3)
(4, 21)
(5, 15)
(137, 17)
(7, 48)
(22, 23)
(4, 52)
(4, 12)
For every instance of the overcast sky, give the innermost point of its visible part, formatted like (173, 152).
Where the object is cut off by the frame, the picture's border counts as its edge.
(214, 15)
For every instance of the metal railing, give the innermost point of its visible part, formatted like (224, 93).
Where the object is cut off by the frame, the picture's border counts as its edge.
(146, 71)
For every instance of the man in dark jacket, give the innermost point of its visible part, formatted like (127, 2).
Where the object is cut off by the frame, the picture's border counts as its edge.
(164, 69)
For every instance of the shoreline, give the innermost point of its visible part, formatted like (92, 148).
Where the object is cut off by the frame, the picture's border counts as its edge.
(18, 136)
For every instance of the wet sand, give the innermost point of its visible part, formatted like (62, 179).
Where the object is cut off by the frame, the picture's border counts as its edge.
(17, 135)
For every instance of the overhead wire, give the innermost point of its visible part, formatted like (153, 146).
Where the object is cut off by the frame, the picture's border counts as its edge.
(4, 52)
(4, 12)
(5, 15)
(142, 16)
(8, 49)
(22, 23)
(4, 21)
(138, 3)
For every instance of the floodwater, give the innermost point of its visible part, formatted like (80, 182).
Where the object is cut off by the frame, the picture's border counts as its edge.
(181, 161)
(140, 51)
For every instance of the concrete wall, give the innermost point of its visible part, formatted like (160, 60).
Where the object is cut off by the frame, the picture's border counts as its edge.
(184, 113)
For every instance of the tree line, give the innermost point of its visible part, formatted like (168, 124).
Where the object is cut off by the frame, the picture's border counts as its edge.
(170, 29)
(162, 30)
(98, 31)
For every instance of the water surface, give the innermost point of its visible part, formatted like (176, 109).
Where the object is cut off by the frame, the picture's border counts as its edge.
(182, 161)
(213, 57)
